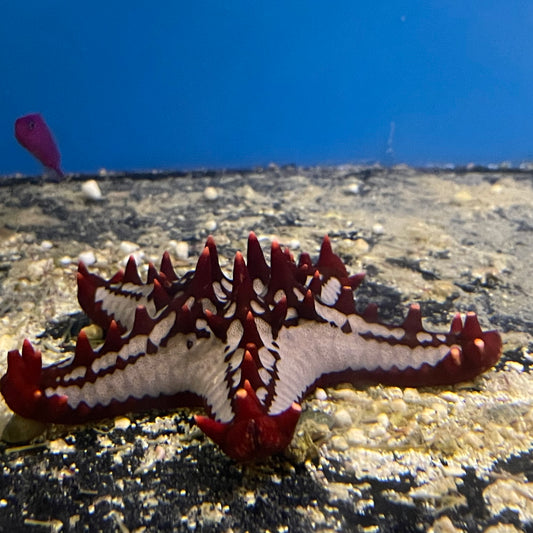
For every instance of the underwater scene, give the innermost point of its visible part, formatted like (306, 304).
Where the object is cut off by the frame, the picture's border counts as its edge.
(266, 267)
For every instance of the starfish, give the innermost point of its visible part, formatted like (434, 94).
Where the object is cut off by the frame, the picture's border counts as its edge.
(248, 349)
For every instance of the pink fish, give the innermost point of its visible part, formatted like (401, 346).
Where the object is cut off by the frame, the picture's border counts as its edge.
(32, 132)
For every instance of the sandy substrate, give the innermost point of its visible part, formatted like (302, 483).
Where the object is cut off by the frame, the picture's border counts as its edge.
(364, 459)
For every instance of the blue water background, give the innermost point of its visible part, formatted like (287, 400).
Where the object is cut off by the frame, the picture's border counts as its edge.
(173, 84)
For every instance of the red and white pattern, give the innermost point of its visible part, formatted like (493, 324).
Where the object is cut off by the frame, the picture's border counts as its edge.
(248, 348)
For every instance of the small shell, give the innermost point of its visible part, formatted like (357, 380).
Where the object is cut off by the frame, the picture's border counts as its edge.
(87, 257)
(91, 190)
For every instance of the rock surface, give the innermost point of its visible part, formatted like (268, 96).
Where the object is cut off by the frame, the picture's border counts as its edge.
(364, 459)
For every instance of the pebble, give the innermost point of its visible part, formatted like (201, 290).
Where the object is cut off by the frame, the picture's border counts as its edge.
(398, 406)
(347, 395)
(91, 190)
(514, 365)
(428, 416)
(20, 429)
(249, 498)
(444, 525)
(383, 420)
(210, 193)
(342, 419)
(450, 396)
(127, 247)
(94, 332)
(411, 395)
(122, 423)
(181, 249)
(462, 197)
(377, 431)
(393, 393)
(317, 431)
(497, 188)
(505, 495)
(361, 246)
(211, 225)
(47, 245)
(321, 394)
(339, 443)
(88, 258)
(353, 188)
(355, 437)
(60, 446)
(37, 269)
(65, 260)
(378, 229)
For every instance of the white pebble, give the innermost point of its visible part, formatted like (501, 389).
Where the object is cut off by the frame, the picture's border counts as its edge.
(383, 420)
(450, 396)
(342, 418)
(87, 258)
(294, 244)
(127, 247)
(346, 395)
(514, 365)
(210, 193)
(353, 188)
(47, 245)
(211, 225)
(91, 190)
(321, 394)
(65, 260)
(181, 249)
(378, 229)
